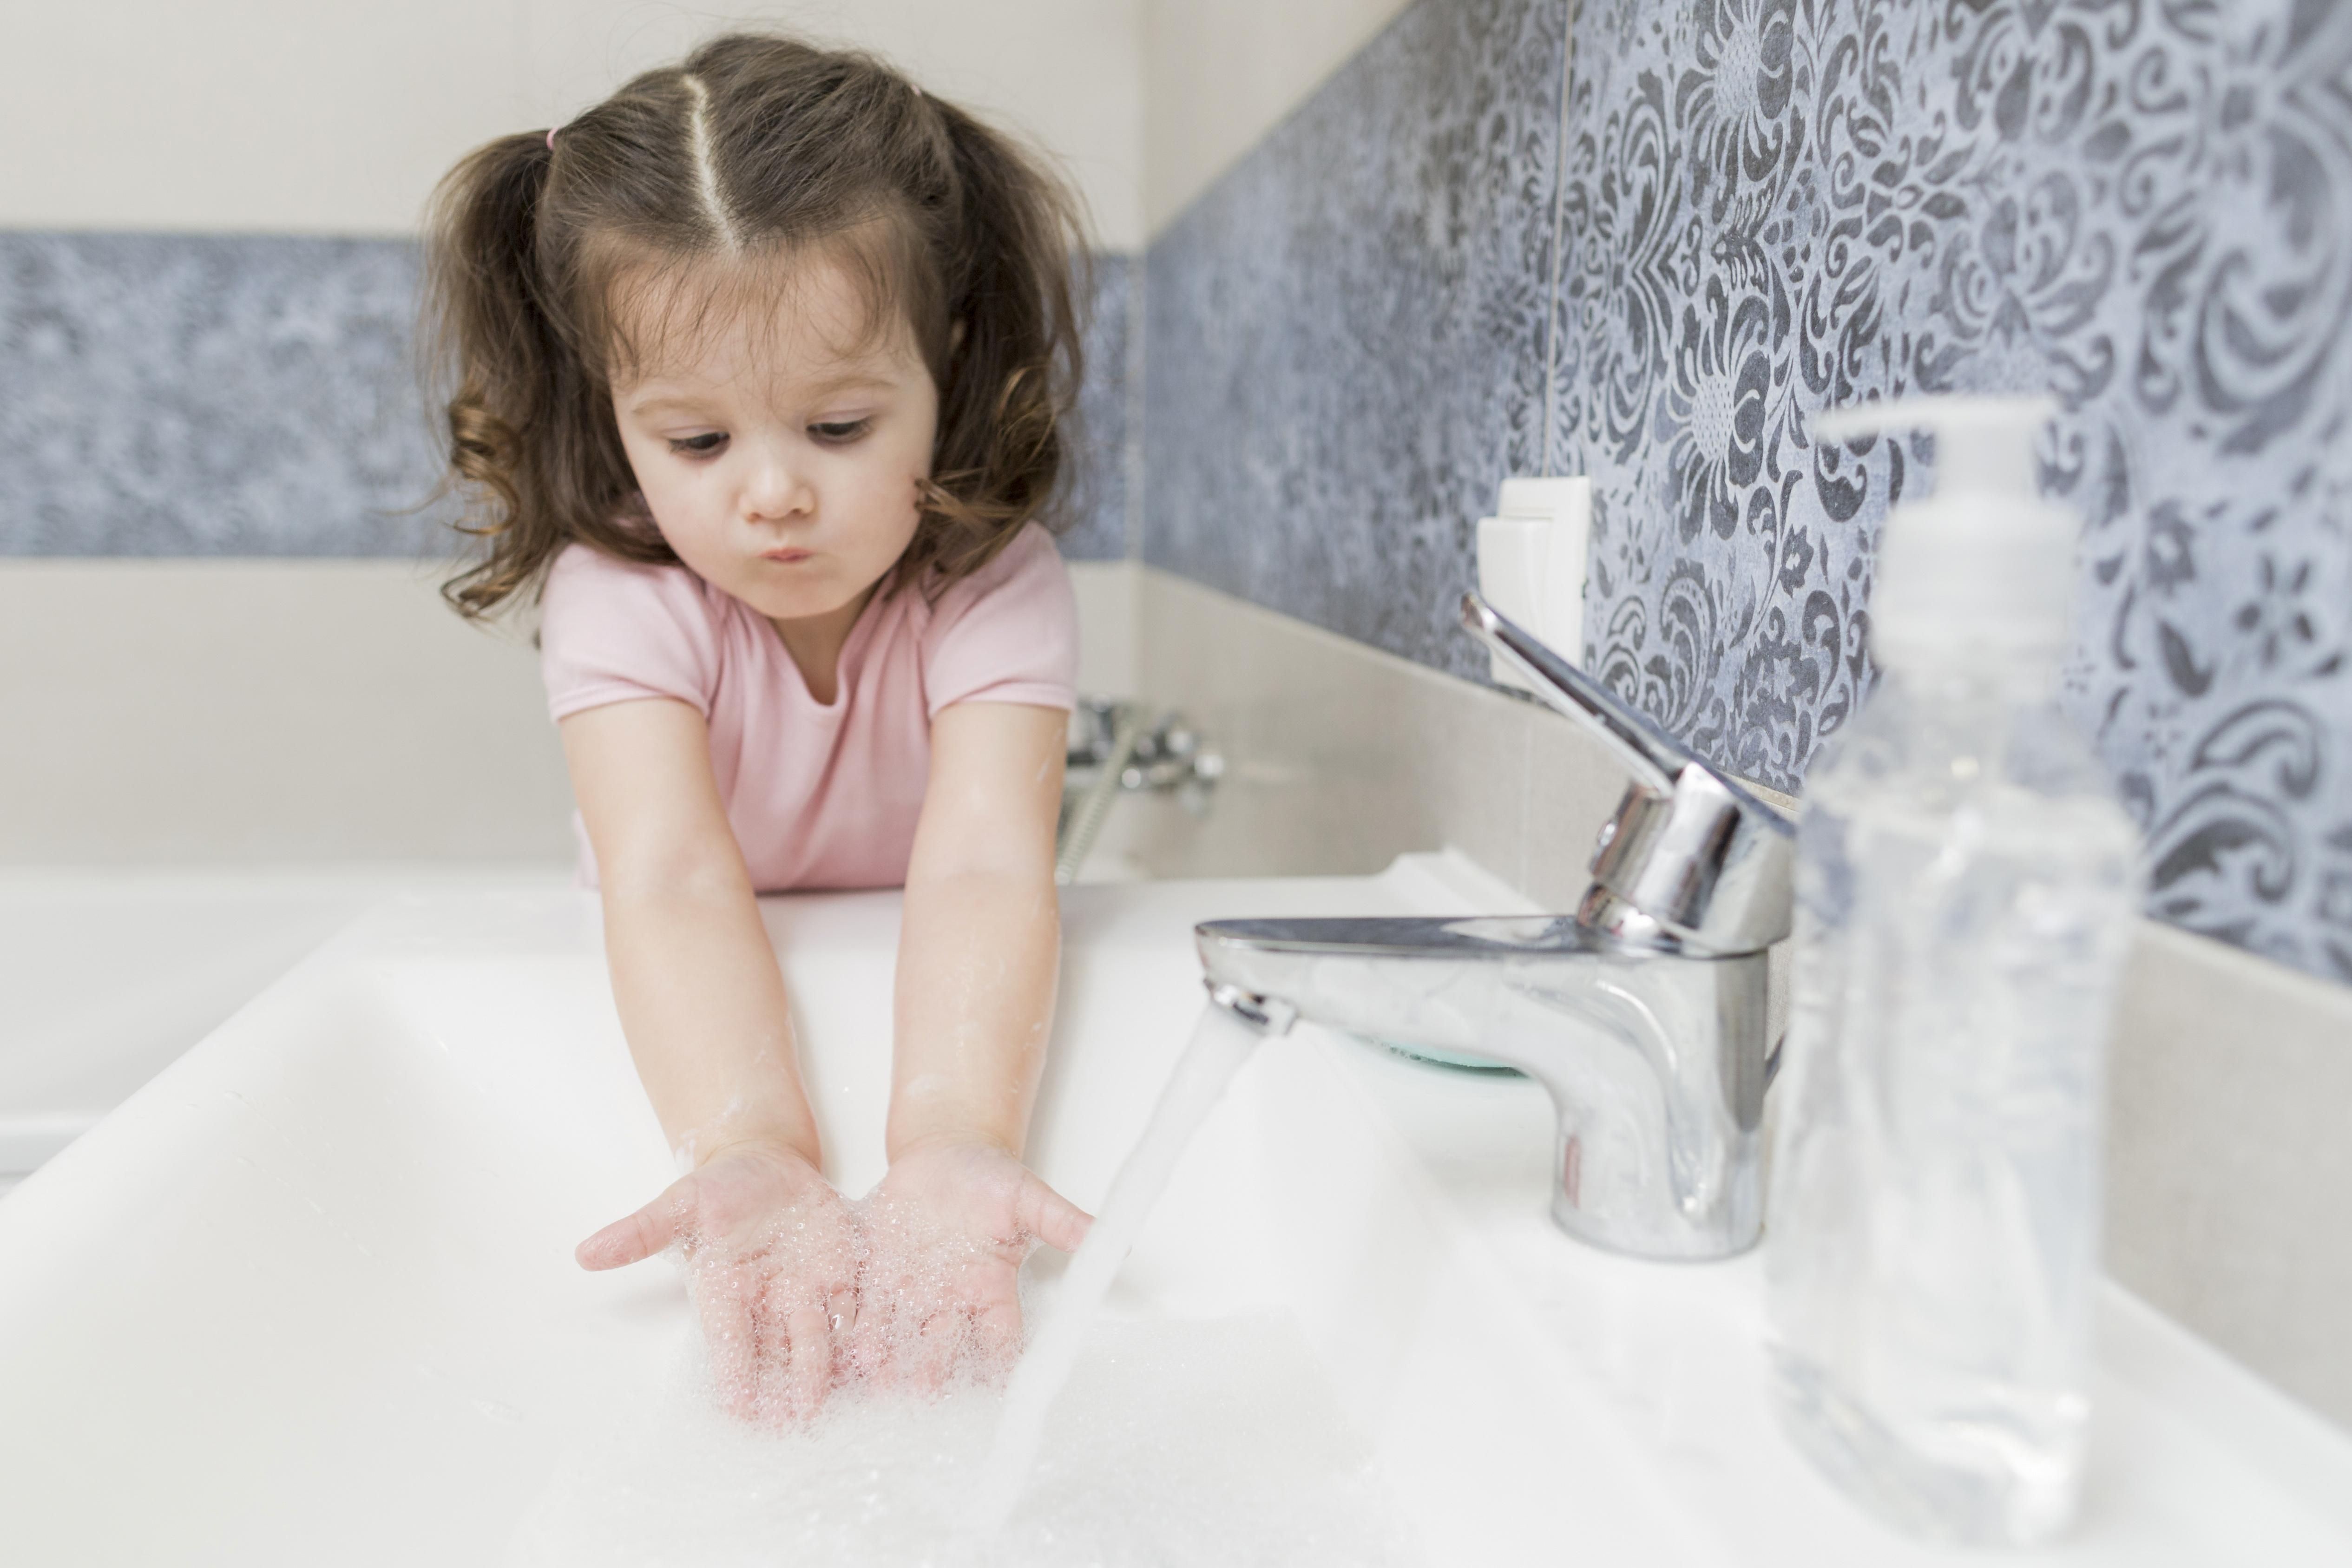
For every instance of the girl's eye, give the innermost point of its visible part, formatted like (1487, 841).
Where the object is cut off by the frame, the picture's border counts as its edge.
(840, 429)
(699, 445)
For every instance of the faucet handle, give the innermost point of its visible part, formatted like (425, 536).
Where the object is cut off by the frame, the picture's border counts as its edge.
(1689, 850)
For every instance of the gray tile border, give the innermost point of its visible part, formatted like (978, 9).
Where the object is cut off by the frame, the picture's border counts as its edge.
(180, 395)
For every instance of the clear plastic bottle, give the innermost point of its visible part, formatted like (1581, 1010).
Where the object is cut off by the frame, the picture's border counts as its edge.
(1965, 888)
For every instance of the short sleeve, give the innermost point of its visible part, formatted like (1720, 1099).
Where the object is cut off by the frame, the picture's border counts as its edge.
(1008, 634)
(613, 631)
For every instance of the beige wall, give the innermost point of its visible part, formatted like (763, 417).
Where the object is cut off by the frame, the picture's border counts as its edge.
(157, 712)
(1220, 74)
(289, 116)
(178, 712)
(293, 116)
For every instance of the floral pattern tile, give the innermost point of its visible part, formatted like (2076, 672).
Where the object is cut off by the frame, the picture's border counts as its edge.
(1344, 336)
(1770, 207)
(257, 395)
(1777, 207)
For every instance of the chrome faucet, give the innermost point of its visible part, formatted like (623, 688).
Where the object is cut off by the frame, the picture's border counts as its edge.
(1642, 1013)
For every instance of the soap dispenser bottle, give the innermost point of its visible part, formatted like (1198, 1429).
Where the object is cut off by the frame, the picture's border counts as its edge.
(1966, 885)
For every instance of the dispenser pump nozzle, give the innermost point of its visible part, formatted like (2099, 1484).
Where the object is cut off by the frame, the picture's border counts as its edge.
(1984, 563)
(1981, 442)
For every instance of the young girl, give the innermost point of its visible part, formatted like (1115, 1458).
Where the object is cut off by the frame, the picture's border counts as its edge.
(758, 369)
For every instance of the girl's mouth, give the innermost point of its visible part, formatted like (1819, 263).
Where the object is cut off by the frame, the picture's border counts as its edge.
(787, 557)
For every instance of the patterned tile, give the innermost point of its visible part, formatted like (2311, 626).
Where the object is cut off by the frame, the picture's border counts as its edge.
(209, 395)
(1344, 333)
(1777, 206)
(1770, 207)
(255, 395)
(1102, 497)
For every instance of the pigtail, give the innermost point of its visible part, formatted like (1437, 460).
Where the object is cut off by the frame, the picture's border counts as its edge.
(536, 461)
(754, 148)
(1015, 359)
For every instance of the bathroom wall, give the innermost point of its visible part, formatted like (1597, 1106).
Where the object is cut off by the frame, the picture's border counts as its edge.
(243, 396)
(1651, 245)
(210, 435)
(1219, 74)
(205, 344)
(1648, 240)
(289, 117)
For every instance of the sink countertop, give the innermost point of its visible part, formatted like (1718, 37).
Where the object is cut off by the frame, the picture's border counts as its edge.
(2193, 1458)
(228, 1252)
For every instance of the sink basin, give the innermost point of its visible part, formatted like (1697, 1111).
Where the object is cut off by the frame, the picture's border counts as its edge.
(307, 1296)
(74, 1043)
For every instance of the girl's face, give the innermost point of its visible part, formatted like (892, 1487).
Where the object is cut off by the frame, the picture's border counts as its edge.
(780, 467)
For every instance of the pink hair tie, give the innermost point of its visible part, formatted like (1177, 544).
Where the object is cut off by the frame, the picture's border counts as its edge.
(551, 139)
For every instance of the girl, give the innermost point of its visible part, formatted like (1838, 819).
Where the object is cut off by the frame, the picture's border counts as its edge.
(760, 366)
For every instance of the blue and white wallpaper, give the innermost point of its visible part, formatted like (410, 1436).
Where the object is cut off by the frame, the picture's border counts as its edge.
(1778, 207)
(1344, 339)
(258, 395)
(1764, 208)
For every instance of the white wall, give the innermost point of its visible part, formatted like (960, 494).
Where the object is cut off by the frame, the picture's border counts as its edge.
(1219, 74)
(304, 117)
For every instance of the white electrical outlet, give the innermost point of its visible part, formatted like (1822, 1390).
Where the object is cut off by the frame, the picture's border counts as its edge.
(1532, 564)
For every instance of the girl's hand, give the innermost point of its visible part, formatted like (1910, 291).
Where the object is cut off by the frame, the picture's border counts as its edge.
(772, 1255)
(947, 1230)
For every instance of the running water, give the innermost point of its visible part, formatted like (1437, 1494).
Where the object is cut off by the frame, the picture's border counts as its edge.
(1126, 1443)
(1221, 1043)
(1214, 1443)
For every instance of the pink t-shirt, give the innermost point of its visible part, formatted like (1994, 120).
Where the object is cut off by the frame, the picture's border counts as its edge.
(819, 795)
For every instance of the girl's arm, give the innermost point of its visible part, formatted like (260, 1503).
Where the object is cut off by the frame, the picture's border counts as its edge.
(700, 997)
(979, 950)
(978, 961)
(770, 1247)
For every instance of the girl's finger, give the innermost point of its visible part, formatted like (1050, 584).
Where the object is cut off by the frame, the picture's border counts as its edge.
(934, 1350)
(811, 1367)
(666, 1219)
(871, 1327)
(728, 1329)
(996, 1335)
(841, 1314)
(1047, 1216)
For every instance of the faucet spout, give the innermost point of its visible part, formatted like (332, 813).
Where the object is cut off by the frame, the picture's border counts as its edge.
(1653, 1055)
(1268, 1015)
(1642, 1014)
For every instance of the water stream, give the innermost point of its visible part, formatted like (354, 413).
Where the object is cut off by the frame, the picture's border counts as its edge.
(1121, 1442)
(1220, 1044)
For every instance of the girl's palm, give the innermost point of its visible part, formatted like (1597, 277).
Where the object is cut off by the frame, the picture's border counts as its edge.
(946, 1233)
(771, 1254)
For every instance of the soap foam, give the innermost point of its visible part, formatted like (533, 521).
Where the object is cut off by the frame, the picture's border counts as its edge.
(1172, 1444)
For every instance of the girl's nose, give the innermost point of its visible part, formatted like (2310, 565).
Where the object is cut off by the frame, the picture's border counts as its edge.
(777, 489)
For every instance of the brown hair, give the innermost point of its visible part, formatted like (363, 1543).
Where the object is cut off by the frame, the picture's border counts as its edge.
(755, 149)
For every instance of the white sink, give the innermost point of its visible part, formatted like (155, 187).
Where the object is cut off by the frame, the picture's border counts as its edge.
(309, 1297)
(74, 1041)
